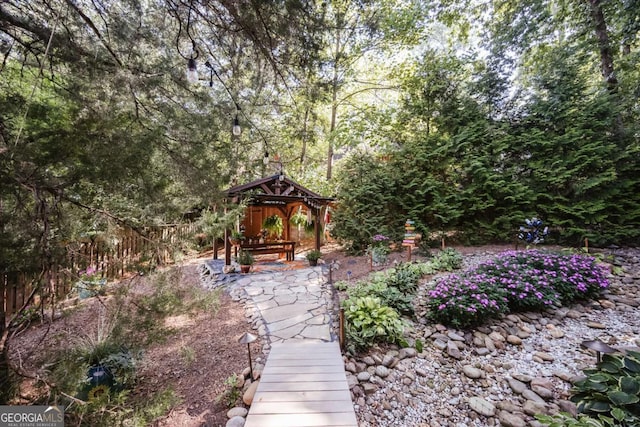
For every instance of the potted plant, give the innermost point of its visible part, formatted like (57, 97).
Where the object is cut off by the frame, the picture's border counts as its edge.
(245, 259)
(274, 226)
(236, 238)
(313, 257)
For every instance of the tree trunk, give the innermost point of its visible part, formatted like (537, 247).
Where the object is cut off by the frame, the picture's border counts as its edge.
(334, 102)
(6, 384)
(604, 44)
(303, 151)
(606, 57)
(334, 109)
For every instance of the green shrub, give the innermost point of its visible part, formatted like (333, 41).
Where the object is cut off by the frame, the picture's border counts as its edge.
(369, 321)
(341, 285)
(395, 287)
(404, 277)
(314, 255)
(119, 409)
(611, 389)
(387, 295)
(447, 260)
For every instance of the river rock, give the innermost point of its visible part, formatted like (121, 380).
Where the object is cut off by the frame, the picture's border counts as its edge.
(382, 371)
(482, 407)
(238, 411)
(508, 419)
(235, 422)
(518, 387)
(248, 395)
(472, 372)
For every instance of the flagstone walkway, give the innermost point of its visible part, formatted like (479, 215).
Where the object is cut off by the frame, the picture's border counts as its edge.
(283, 305)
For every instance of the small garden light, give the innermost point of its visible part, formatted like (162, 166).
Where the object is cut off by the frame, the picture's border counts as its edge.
(247, 338)
(599, 347)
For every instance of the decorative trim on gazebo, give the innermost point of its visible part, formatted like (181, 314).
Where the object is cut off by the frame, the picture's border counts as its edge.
(279, 192)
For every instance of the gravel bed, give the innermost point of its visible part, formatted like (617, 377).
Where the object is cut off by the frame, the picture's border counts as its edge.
(500, 374)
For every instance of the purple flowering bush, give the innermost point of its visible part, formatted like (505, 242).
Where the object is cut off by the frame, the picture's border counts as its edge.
(466, 299)
(515, 281)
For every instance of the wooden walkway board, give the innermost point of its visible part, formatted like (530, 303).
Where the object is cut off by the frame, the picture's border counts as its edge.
(303, 384)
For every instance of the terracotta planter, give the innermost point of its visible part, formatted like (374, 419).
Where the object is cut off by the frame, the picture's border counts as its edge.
(245, 269)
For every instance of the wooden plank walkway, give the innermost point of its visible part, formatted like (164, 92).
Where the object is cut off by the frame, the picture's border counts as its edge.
(303, 384)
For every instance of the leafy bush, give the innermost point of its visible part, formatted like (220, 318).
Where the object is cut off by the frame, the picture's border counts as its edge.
(525, 280)
(447, 260)
(395, 287)
(405, 277)
(611, 389)
(388, 295)
(245, 258)
(369, 321)
(341, 285)
(120, 409)
(607, 396)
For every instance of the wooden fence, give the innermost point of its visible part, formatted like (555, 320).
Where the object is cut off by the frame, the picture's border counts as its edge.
(129, 251)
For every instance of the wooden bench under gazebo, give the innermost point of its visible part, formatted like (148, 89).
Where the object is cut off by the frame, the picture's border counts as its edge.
(274, 195)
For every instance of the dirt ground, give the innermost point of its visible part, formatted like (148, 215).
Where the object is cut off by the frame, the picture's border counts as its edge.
(199, 355)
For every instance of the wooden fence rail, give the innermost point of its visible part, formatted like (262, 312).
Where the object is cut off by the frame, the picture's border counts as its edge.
(129, 251)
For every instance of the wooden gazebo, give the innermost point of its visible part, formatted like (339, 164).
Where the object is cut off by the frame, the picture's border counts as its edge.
(279, 195)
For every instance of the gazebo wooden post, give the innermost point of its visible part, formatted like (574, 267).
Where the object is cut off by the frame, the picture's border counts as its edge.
(316, 213)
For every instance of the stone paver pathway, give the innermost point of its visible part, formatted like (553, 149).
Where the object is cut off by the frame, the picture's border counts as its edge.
(285, 305)
(291, 304)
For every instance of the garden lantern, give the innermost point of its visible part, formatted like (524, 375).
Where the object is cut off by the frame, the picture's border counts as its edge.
(599, 347)
(247, 338)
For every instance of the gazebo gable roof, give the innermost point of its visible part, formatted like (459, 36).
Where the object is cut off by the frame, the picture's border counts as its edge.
(276, 186)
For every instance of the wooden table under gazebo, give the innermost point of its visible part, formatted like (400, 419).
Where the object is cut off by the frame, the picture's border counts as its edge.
(274, 195)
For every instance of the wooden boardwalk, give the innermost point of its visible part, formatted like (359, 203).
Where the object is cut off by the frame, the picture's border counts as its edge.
(303, 384)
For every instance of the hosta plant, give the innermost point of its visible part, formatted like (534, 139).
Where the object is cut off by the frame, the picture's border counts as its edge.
(368, 321)
(564, 419)
(611, 389)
